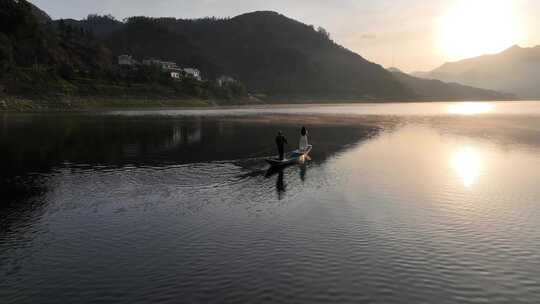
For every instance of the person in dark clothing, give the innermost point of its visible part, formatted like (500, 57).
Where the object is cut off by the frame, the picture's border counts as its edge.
(281, 140)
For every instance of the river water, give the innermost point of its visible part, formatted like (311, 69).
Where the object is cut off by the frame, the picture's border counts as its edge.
(400, 203)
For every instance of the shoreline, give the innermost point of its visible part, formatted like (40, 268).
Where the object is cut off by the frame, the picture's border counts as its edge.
(83, 104)
(90, 104)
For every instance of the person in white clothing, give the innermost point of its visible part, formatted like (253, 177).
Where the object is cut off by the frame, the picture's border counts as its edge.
(303, 139)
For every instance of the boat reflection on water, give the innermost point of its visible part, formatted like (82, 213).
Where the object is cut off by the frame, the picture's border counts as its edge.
(281, 185)
(303, 171)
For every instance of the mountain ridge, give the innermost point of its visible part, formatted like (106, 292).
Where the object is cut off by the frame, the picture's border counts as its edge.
(271, 53)
(433, 89)
(275, 56)
(514, 70)
(262, 21)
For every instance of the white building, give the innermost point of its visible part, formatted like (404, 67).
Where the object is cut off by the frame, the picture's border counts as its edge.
(193, 73)
(173, 68)
(126, 60)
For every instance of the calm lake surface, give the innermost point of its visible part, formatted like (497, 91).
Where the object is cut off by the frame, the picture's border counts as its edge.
(400, 203)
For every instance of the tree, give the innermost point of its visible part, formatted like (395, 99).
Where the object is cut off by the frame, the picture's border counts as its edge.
(323, 32)
(6, 50)
(61, 25)
(66, 71)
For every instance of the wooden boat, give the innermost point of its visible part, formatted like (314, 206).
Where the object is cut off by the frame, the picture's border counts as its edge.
(290, 158)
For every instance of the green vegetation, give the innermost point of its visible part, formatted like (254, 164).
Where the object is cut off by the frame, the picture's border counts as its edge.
(270, 53)
(272, 56)
(50, 62)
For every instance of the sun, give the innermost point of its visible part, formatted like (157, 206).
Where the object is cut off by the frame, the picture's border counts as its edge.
(476, 27)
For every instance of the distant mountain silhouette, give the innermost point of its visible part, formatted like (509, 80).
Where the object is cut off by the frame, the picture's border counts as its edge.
(515, 70)
(100, 26)
(431, 89)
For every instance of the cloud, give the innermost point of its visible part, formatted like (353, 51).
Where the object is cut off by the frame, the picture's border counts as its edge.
(368, 36)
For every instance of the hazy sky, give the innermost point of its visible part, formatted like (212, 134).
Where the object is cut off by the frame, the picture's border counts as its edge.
(410, 34)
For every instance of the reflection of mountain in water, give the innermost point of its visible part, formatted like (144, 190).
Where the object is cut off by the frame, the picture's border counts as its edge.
(35, 148)
(42, 142)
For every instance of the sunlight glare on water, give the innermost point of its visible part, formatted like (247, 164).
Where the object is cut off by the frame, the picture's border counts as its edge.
(418, 205)
(471, 108)
(467, 162)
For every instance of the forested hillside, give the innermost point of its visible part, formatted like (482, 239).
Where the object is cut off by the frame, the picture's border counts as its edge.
(272, 56)
(270, 53)
(41, 59)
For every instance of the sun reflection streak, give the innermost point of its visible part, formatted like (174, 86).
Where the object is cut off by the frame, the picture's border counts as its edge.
(468, 164)
(471, 108)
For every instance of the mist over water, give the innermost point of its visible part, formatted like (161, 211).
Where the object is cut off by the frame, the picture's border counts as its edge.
(399, 204)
